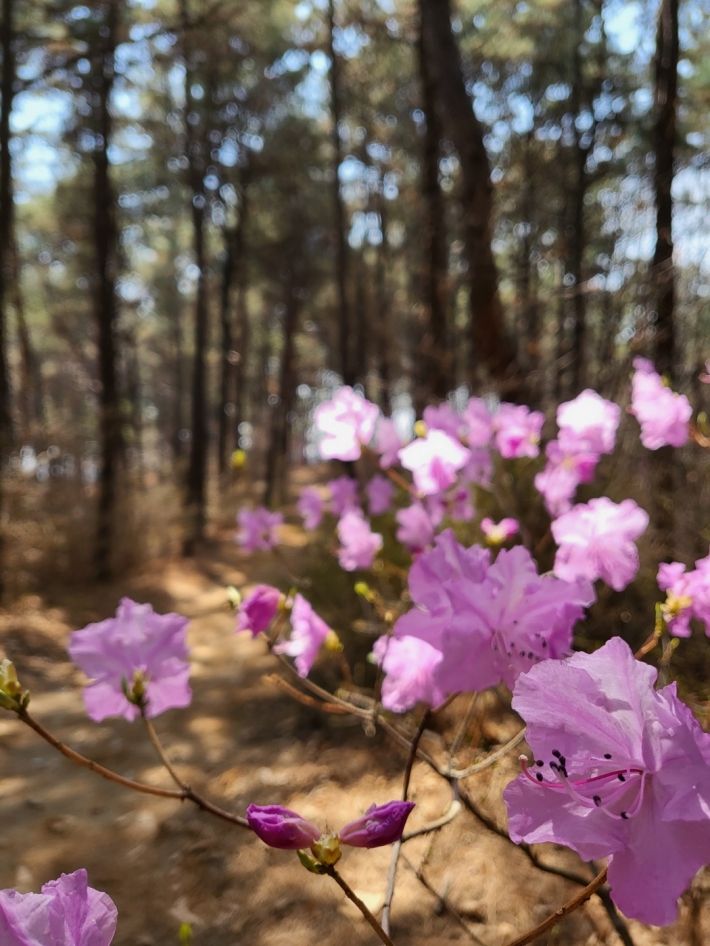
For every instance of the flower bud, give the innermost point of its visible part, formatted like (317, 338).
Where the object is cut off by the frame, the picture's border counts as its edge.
(326, 850)
(279, 827)
(380, 825)
(258, 609)
(11, 695)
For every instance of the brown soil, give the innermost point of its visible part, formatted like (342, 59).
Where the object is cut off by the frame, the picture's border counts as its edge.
(241, 741)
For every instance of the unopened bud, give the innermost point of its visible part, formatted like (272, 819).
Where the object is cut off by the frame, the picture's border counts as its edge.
(326, 849)
(420, 429)
(234, 597)
(310, 863)
(12, 696)
(332, 642)
(364, 590)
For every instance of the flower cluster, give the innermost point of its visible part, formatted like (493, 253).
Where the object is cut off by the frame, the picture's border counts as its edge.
(688, 595)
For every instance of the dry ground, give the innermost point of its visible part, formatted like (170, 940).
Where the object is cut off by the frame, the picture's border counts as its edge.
(240, 741)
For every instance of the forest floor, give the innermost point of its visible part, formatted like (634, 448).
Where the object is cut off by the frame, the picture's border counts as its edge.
(243, 740)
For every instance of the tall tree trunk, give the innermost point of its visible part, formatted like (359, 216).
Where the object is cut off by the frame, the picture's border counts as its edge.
(6, 235)
(243, 333)
(492, 347)
(666, 91)
(437, 360)
(277, 455)
(382, 339)
(579, 192)
(31, 397)
(341, 255)
(105, 294)
(195, 496)
(225, 318)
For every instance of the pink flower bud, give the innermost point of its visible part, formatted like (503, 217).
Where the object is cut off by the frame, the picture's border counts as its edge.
(279, 827)
(380, 825)
(258, 609)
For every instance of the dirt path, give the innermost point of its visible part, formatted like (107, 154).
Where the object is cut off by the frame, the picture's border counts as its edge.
(240, 741)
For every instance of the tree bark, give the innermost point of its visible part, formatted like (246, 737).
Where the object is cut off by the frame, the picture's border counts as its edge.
(105, 294)
(492, 347)
(437, 360)
(341, 255)
(225, 319)
(666, 91)
(277, 455)
(243, 333)
(195, 497)
(579, 191)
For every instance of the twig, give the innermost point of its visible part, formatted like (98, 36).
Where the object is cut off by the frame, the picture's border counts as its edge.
(443, 902)
(397, 846)
(185, 792)
(453, 810)
(157, 745)
(304, 698)
(461, 732)
(489, 759)
(574, 904)
(351, 895)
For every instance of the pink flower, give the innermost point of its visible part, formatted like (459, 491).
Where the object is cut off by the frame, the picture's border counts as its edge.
(308, 632)
(387, 442)
(596, 540)
(409, 664)
(478, 468)
(434, 461)
(259, 529)
(145, 651)
(67, 913)
(443, 417)
(343, 495)
(479, 422)
(347, 422)
(281, 828)
(380, 492)
(498, 533)
(380, 825)
(565, 470)
(258, 609)
(588, 424)
(310, 507)
(621, 771)
(688, 595)
(662, 414)
(358, 543)
(517, 431)
(416, 530)
(460, 504)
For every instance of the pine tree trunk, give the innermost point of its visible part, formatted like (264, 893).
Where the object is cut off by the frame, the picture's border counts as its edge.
(225, 319)
(492, 347)
(666, 92)
(242, 312)
(341, 254)
(437, 358)
(277, 454)
(105, 297)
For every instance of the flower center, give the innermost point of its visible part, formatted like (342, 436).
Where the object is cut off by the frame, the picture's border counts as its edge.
(618, 793)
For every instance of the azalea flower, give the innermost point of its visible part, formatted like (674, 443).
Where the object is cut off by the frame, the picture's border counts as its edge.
(387, 442)
(347, 423)
(567, 467)
(479, 423)
(434, 461)
(137, 649)
(588, 423)
(308, 633)
(517, 431)
(409, 664)
(620, 771)
(310, 507)
(259, 529)
(343, 495)
(258, 609)
(596, 540)
(688, 595)
(415, 528)
(380, 493)
(67, 913)
(443, 417)
(358, 543)
(662, 414)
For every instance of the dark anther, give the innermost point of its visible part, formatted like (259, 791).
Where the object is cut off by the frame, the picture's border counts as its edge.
(563, 761)
(556, 753)
(530, 654)
(544, 643)
(597, 800)
(538, 776)
(624, 815)
(622, 778)
(539, 762)
(607, 755)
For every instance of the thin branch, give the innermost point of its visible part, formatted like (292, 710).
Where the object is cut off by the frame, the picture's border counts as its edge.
(488, 760)
(574, 904)
(304, 698)
(453, 810)
(443, 902)
(157, 745)
(397, 846)
(352, 896)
